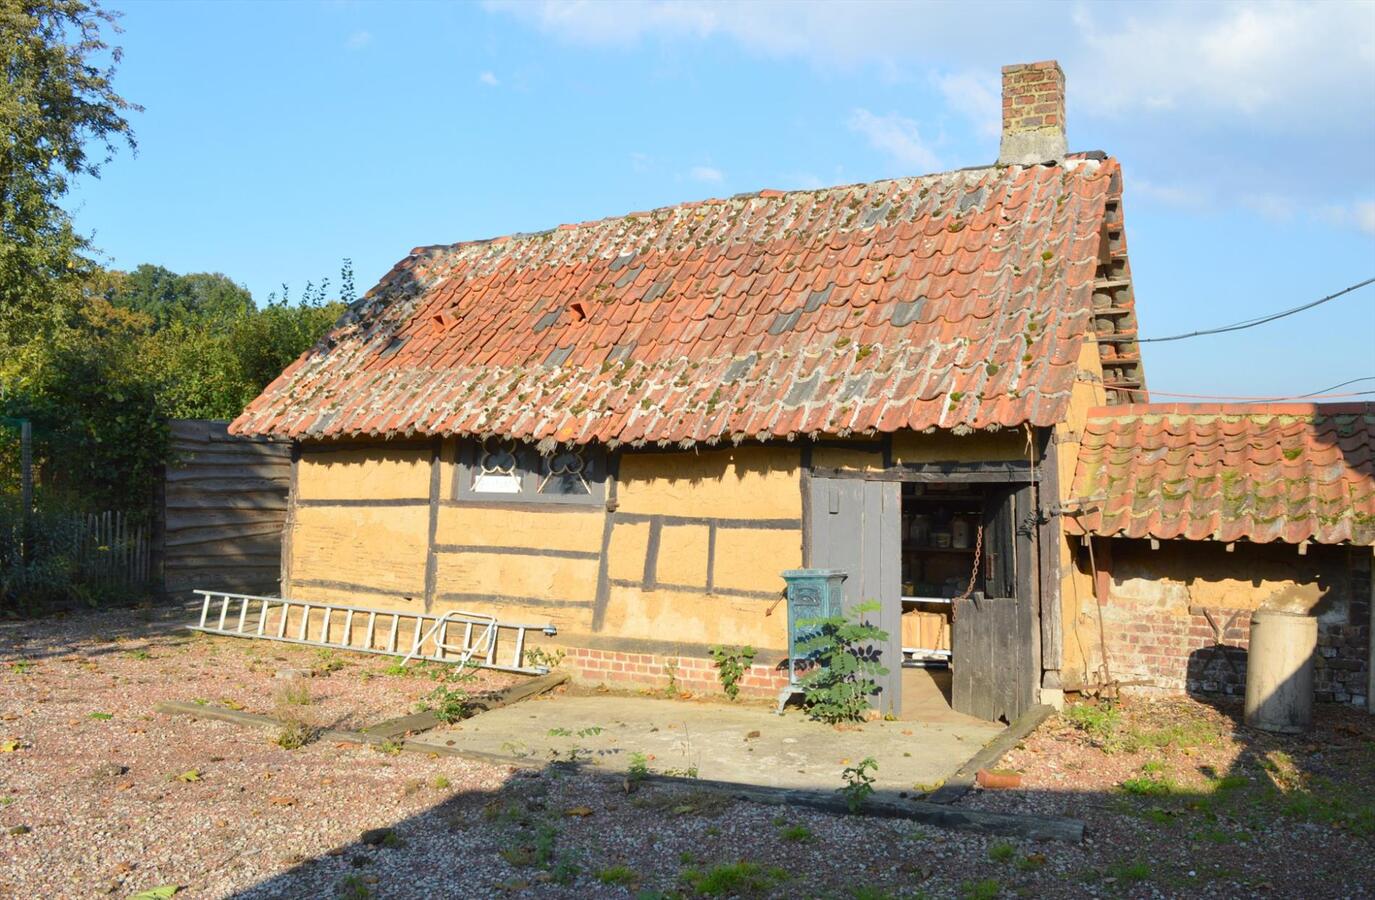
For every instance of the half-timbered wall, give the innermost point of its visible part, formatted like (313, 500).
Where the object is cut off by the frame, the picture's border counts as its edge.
(685, 552)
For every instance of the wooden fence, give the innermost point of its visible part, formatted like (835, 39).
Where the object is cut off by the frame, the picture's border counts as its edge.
(223, 510)
(107, 553)
(113, 551)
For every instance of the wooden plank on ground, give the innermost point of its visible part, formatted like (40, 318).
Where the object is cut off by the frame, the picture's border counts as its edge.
(424, 721)
(957, 785)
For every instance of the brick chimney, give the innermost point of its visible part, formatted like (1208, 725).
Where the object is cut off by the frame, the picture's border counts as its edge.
(1033, 114)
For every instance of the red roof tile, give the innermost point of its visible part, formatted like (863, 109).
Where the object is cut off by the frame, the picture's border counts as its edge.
(957, 300)
(1275, 472)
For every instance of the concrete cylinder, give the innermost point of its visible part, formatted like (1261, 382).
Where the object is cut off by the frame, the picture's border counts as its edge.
(1279, 671)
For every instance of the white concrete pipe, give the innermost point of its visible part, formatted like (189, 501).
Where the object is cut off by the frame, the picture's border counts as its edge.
(1279, 671)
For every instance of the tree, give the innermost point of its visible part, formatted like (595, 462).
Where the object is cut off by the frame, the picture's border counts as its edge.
(57, 102)
(166, 297)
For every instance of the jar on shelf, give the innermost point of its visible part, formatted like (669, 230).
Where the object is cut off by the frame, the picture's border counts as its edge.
(960, 531)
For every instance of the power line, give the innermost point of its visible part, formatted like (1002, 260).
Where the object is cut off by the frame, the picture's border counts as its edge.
(1252, 323)
(1324, 394)
(1342, 385)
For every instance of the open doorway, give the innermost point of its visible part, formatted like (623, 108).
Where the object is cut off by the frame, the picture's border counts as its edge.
(942, 558)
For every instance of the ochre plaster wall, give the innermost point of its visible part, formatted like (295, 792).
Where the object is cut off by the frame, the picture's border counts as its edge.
(1079, 626)
(688, 554)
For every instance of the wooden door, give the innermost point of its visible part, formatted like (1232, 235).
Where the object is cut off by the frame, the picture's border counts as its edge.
(856, 527)
(995, 637)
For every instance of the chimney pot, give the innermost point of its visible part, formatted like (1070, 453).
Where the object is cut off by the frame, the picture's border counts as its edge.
(1033, 114)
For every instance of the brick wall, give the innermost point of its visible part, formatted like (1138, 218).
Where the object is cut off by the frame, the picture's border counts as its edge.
(1033, 97)
(1157, 632)
(644, 670)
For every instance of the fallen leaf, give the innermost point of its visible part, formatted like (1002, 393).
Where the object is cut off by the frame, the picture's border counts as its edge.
(580, 811)
(189, 776)
(10, 746)
(161, 892)
(231, 704)
(282, 801)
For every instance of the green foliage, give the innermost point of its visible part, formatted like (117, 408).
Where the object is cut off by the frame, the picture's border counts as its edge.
(624, 876)
(638, 770)
(844, 654)
(57, 103)
(448, 701)
(859, 783)
(797, 834)
(985, 889)
(734, 879)
(1001, 852)
(353, 887)
(1100, 722)
(549, 659)
(731, 664)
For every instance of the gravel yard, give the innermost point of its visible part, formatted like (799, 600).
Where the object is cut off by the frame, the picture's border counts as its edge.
(102, 796)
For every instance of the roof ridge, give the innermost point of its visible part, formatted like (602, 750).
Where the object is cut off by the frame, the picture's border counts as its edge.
(1095, 156)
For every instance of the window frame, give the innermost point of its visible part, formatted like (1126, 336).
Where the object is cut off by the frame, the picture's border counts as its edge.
(532, 467)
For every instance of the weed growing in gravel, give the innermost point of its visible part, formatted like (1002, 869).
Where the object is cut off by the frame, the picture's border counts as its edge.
(448, 701)
(1001, 852)
(1129, 873)
(21, 668)
(986, 889)
(638, 770)
(1099, 722)
(326, 662)
(734, 879)
(294, 693)
(100, 716)
(797, 834)
(859, 783)
(1150, 785)
(1031, 862)
(353, 887)
(440, 782)
(390, 746)
(294, 735)
(622, 876)
(140, 654)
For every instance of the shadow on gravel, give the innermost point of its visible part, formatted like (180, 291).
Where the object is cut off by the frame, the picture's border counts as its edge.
(102, 632)
(568, 830)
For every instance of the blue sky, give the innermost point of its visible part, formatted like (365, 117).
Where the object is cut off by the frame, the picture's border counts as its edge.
(279, 138)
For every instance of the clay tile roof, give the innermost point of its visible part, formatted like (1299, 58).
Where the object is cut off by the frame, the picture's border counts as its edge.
(957, 300)
(1275, 472)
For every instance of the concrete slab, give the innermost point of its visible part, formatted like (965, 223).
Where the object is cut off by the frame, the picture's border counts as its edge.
(744, 745)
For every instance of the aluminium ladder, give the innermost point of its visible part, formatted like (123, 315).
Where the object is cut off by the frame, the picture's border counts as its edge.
(453, 637)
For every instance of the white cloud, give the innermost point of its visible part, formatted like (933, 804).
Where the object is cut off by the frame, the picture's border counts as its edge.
(1244, 58)
(1360, 215)
(1272, 206)
(977, 97)
(706, 174)
(640, 162)
(898, 137)
(358, 40)
(489, 78)
(1240, 59)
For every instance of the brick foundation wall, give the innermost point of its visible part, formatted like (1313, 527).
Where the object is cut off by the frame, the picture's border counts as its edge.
(644, 670)
(1154, 635)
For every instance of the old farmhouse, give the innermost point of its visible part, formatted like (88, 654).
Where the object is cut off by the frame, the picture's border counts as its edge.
(631, 427)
